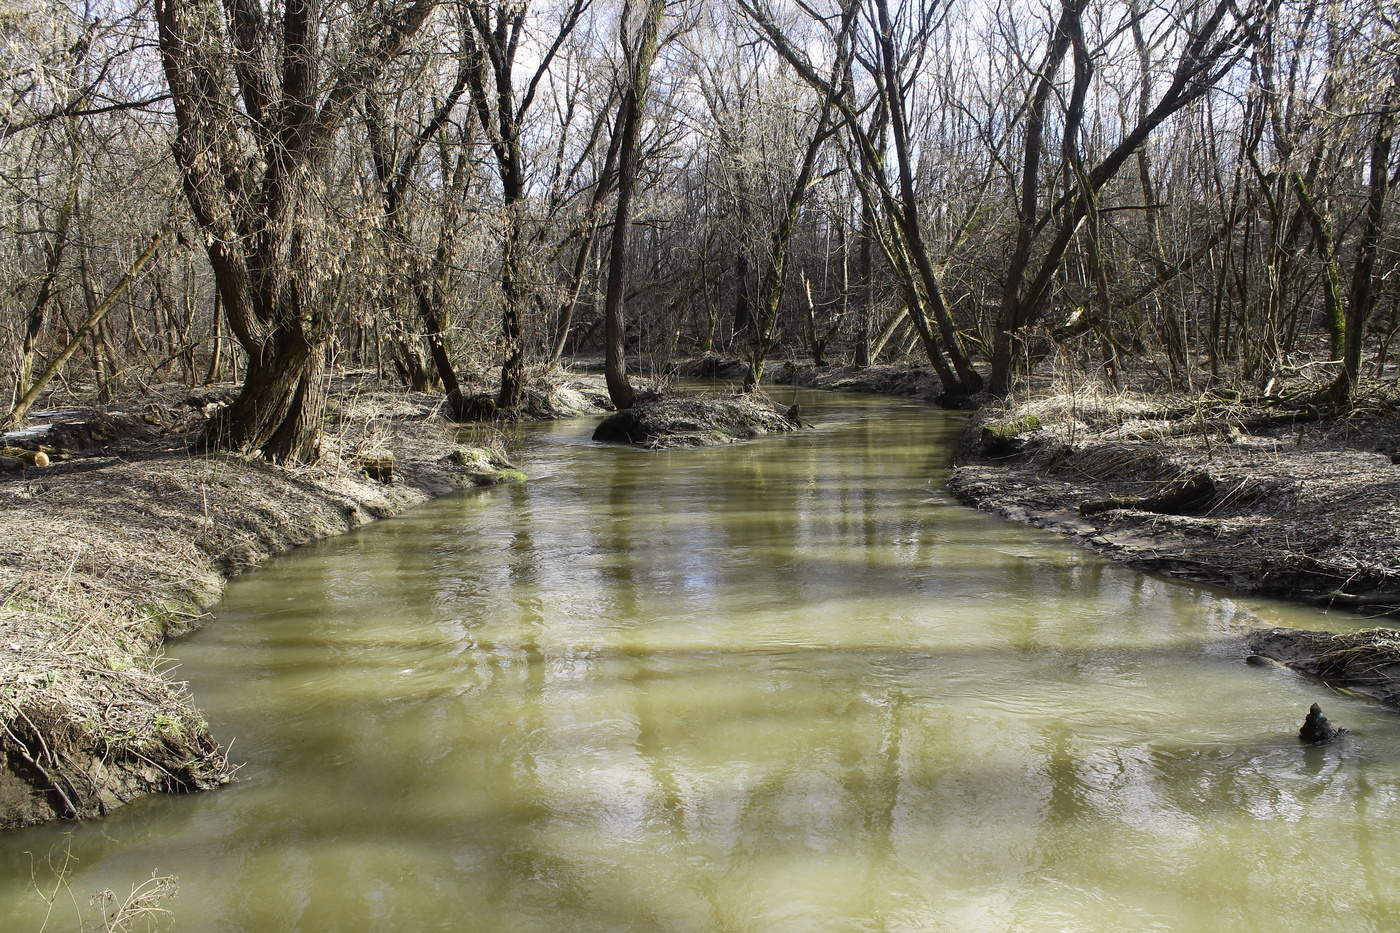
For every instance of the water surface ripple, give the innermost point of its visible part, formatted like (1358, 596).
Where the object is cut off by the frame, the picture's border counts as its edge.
(784, 686)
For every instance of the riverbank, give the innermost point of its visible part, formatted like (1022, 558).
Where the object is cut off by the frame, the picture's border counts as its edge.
(1262, 498)
(899, 381)
(540, 683)
(127, 538)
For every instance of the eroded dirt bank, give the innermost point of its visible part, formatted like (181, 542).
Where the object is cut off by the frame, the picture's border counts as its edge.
(1366, 662)
(126, 538)
(897, 380)
(662, 421)
(1266, 499)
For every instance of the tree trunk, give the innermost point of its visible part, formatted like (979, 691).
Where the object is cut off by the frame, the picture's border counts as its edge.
(1363, 297)
(633, 105)
(94, 318)
(774, 276)
(513, 366)
(254, 120)
(867, 284)
(742, 317)
(279, 410)
(216, 355)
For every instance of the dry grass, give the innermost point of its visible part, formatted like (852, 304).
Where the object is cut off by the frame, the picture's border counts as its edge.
(1308, 507)
(1366, 662)
(1365, 656)
(109, 554)
(143, 907)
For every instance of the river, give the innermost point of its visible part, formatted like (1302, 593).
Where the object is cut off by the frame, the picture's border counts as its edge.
(788, 685)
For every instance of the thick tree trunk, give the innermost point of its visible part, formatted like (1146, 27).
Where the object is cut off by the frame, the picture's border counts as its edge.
(1363, 297)
(968, 379)
(614, 325)
(413, 369)
(279, 410)
(513, 366)
(253, 125)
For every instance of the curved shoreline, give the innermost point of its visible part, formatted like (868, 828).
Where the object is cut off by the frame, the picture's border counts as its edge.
(1315, 522)
(1291, 506)
(132, 542)
(122, 551)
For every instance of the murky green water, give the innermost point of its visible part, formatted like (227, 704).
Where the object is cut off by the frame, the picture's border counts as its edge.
(788, 686)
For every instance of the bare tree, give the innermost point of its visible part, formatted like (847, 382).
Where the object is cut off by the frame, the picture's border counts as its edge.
(640, 36)
(255, 120)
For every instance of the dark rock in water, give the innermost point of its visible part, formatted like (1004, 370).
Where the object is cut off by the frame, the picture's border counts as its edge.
(1317, 729)
(1258, 660)
(794, 414)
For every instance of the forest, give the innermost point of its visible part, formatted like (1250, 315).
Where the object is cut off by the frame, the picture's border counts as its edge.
(549, 273)
(1198, 193)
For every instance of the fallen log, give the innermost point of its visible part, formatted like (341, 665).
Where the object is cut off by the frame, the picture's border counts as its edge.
(1183, 496)
(26, 457)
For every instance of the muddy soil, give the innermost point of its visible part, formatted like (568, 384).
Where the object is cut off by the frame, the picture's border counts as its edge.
(1265, 497)
(126, 538)
(1366, 662)
(660, 422)
(1285, 503)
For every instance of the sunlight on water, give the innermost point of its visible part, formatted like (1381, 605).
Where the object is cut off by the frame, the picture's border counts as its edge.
(784, 686)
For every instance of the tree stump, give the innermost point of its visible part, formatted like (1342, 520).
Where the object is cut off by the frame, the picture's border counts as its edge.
(1317, 729)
